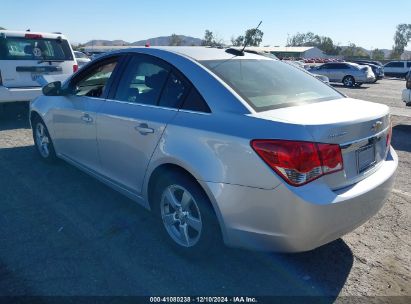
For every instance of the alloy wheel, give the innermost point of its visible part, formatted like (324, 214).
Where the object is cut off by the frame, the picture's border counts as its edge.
(42, 140)
(181, 216)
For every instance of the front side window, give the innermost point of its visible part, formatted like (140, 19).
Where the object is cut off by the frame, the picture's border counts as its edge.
(21, 48)
(93, 83)
(269, 84)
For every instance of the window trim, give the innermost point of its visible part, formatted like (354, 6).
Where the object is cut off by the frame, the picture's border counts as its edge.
(172, 69)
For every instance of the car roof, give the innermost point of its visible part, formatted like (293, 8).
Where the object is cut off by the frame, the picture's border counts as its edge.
(23, 33)
(198, 53)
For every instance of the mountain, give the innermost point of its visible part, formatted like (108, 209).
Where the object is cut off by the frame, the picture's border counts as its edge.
(165, 40)
(106, 43)
(157, 41)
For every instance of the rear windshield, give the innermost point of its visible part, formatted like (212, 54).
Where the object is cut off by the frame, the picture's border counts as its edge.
(270, 84)
(20, 48)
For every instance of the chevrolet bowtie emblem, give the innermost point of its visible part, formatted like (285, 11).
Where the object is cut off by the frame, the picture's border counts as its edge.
(377, 126)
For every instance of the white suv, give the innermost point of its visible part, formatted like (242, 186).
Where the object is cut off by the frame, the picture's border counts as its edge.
(29, 60)
(397, 68)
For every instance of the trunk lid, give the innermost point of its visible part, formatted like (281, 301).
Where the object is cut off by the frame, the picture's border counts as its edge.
(359, 127)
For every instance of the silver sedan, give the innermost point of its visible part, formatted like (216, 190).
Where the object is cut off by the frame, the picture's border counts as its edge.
(347, 73)
(222, 145)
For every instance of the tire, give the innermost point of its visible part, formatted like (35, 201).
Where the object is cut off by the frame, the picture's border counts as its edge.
(42, 141)
(408, 104)
(185, 213)
(348, 81)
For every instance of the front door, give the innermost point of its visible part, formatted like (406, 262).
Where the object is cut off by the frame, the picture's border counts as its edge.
(74, 118)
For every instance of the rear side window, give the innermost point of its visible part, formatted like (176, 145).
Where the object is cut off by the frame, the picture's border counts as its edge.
(409, 64)
(195, 102)
(142, 81)
(174, 92)
(20, 48)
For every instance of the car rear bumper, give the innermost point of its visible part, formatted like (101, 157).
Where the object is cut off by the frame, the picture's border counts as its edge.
(19, 94)
(290, 219)
(406, 95)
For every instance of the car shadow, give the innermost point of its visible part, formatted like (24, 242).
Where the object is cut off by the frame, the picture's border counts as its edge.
(337, 85)
(65, 233)
(14, 116)
(401, 132)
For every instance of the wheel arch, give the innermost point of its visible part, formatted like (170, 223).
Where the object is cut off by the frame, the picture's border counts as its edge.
(173, 167)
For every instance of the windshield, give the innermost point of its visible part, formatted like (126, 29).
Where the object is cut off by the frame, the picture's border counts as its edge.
(20, 48)
(270, 84)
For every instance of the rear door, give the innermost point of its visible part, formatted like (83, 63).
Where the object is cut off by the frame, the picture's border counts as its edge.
(132, 121)
(24, 59)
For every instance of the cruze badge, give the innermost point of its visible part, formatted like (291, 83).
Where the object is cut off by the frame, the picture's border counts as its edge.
(377, 126)
(338, 134)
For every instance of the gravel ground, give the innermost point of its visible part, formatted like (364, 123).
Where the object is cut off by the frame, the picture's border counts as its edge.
(64, 233)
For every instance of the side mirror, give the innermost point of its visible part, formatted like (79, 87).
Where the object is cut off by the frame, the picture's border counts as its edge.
(53, 89)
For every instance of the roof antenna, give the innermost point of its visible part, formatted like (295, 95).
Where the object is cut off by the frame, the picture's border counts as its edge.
(249, 38)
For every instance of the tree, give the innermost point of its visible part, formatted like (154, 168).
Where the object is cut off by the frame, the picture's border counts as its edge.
(401, 38)
(354, 51)
(2, 28)
(211, 40)
(208, 38)
(324, 43)
(377, 54)
(175, 40)
(252, 37)
(239, 41)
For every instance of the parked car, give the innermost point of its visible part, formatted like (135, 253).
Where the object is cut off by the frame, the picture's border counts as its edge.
(304, 67)
(378, 70)
(27, 56)
(222, 144)
(397, 68)
(406, 93)
(82, 59)
(350, 74)
(366, 62)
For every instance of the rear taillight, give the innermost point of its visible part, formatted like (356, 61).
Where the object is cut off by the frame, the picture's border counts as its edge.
(33, 36)
(299, 162)
(75, 68)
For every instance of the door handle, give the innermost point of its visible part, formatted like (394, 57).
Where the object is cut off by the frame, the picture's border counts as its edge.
(143, 129)
(87, 118)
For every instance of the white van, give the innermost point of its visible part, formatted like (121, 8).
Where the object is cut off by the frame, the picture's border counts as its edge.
(397, 68)
(27, 59)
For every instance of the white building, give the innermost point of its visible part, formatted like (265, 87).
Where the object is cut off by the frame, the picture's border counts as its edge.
(292, 51)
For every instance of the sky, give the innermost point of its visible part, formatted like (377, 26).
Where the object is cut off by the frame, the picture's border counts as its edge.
(367, 23)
